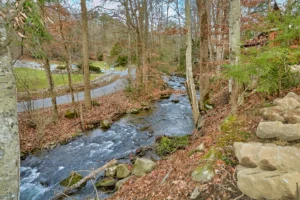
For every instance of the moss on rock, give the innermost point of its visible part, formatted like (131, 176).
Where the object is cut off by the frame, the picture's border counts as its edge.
(168, 145)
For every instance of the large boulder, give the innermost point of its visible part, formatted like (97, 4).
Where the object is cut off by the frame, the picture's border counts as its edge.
(293, 95)
(142, 166)
(286, 132)
(122, 171)
(268, 157)
(272, 113)
(288, 103)
(71, 114)
(293, 116)
(259, 184)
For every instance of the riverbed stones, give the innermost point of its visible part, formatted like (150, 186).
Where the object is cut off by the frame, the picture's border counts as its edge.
(259, 184)
(286, 132)
(106, 182)
(122, 171)
(105, 124)
(71, 180)
(134, 111)
(121, 182)
(165, 96)
(269, 157)
(111, 171)
(142, 166)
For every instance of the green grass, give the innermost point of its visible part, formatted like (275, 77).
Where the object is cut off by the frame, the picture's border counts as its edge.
(102, 63)
(36, 79)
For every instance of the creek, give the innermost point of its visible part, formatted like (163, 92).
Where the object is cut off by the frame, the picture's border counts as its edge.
(41, 173)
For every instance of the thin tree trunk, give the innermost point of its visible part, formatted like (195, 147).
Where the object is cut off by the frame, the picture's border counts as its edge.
(9, 135)
(85, 55)
(189, 69)
(234, 46)
(51, 88)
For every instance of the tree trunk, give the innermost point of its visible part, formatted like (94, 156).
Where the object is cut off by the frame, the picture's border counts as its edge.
(189, 70)
(9, 135)
(145, 44)
(203, 61)
(51, 88)
(85, 55)
(234, 46)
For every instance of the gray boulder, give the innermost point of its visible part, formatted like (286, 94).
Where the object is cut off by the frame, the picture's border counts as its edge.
(293, 116)
(111, 171)
(142, 166)
(268, 157)
(203, 174)
(293, 95)
(121, 182)
(272, 113)
(286, 132)
(122, 171)
(288, 103)
(259, 184)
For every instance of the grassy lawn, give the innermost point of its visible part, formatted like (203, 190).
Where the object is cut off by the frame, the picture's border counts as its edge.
(36, 79)
(101, 64)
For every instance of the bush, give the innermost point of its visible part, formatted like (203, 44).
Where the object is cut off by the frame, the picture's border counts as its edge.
(61, 67)
(92, 68)
(122, 60)
(100, 57)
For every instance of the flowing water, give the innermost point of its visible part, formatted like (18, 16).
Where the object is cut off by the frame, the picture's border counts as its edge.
(40, 174)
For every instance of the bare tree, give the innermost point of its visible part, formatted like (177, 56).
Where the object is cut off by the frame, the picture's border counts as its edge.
(234, 46)
(85, 54)
(189, 70)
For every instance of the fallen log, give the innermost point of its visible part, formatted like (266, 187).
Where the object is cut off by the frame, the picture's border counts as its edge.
(85, 179)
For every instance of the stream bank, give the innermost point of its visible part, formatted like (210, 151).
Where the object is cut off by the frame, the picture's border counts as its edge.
(41, 173)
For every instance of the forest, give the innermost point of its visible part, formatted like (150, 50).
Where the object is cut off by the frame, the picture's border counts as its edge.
(149, 100)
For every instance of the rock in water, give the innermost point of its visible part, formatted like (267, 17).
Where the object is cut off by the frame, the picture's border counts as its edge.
(142, 166)
(106, 182)
(134, 111)
(105, 124)
(122, 171)
(111, 171)
(71, 180)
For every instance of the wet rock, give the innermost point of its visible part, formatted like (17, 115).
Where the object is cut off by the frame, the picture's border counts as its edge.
(71, 114)
(106, 182)
(286, 132)
(289, 103)
(165, 96)
(203, 174)
(134, 111)
(272, 113)
(71, 180)
(175, 101)
(105, 124)
(268, 157)
(122, 171)
(195, 194)
(259, 184)
(121, 182)
(293, 116)
(111, 171)
(142, 166)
